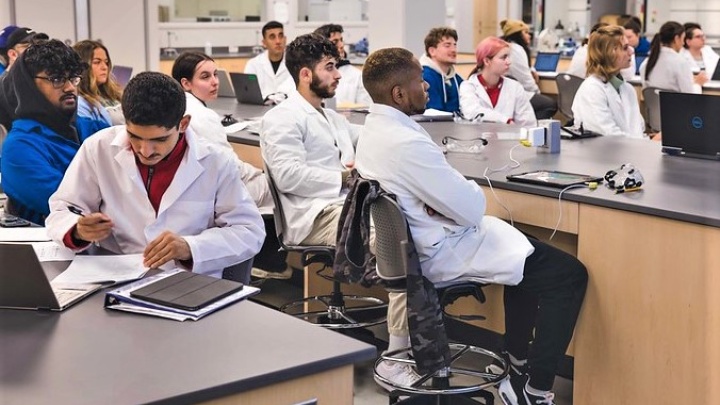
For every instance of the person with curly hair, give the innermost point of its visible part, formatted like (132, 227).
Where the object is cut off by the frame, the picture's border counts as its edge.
(45, 133)
(99, 94)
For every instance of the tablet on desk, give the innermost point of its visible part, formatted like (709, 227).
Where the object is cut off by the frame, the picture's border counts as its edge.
(553, 178)
(186, 290)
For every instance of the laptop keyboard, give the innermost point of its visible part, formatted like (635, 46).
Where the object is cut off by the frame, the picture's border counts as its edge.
(65, 297)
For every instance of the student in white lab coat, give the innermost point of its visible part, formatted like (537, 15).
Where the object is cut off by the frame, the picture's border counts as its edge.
(273, 76)
(197, 74)
(151, 187)
(350, 90)
(489, 95)
(703, 59)
(544, 287)
(578, 63)
(605, 103)
(665, 68)
(517, 34)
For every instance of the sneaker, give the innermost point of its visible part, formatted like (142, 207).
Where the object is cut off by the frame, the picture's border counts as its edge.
(399, 373)
(516, 371)
(514, 392)
(281, 275)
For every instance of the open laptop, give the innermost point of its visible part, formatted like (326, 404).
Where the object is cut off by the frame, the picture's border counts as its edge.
(247, 88)
(716, 73)
(639, 59)
(690, 125)
(23, 284)
(122, 74)
(547, 61)
(225, 88)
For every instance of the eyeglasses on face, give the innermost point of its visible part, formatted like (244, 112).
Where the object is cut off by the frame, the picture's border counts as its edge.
(59, 82)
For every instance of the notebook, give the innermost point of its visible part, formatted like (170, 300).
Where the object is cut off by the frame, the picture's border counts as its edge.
(690, 125)
(552, 178)
(122, 74)
(225, 88)
(639, 59)
(187, 290)
(25, 286)
(247, 88)
(546, 61)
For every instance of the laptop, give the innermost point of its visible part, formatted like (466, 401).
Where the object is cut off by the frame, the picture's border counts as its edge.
(25, 286)
(547, 61)
(122, 74)
(639, 59)
(247, 88)
(225, 88)
(716, 73)
(690, 125)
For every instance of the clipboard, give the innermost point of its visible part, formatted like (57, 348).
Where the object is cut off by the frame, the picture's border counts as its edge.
(187, 291)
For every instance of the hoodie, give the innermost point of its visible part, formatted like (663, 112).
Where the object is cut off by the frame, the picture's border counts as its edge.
(443, 90)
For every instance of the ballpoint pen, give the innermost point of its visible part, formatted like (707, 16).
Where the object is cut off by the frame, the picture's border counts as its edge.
(77, 211)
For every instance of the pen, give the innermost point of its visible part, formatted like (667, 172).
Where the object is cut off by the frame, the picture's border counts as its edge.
(628, 190)
(77, 211)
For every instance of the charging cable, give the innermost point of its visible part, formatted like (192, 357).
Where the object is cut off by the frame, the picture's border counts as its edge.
(557, 225)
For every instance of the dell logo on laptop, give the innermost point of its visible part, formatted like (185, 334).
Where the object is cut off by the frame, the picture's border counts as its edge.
(696, 122)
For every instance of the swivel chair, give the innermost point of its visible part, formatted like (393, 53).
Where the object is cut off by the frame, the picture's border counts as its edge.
(465, 378)
(651, 96)
(339, 311)
(567, 85)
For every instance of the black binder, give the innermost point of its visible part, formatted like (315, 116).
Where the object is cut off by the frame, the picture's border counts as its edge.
(187, 291)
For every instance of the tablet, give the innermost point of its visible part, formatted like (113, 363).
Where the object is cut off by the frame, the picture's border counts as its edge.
(186, 290)
(552, 178)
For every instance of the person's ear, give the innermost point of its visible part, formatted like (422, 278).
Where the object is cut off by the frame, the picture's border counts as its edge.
(398, 94)
(12, 54)
(186, 84)
(184, 123)
(305, 75)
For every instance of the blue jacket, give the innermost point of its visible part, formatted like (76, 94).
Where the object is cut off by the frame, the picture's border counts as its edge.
(34, 161)
(443, 93)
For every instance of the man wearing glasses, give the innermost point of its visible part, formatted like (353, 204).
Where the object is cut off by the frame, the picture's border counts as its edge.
(45, 134)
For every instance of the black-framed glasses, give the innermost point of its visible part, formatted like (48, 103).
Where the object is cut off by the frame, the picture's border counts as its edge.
(59, 82)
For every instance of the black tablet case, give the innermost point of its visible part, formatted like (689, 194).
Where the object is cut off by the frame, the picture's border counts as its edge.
(187, 290)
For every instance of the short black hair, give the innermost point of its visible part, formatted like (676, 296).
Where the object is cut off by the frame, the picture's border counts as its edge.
(307, 51)
(185, 64)
(153, 98)
(633, 25)
(53, 57)
(328, 29)
(385, 69)
(271, 25)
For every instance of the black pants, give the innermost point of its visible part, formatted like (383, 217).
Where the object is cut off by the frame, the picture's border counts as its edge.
(270, 258)
(545, 107)
(548, 301)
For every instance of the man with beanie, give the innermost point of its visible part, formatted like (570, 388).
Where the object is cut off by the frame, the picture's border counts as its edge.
(350, 90)
(438, 64)
(45, 135)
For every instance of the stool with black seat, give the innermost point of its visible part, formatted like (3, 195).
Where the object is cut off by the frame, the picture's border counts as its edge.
(465, 380)
(338, 311)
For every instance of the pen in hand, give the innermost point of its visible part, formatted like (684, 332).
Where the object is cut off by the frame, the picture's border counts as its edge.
(92, 227)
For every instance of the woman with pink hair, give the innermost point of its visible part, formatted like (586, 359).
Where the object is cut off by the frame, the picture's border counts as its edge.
(488, 95)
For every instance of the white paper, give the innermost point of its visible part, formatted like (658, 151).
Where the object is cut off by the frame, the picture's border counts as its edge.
(431, 112)
(23, 234)
(51, 251)
(236, 127)
(102, 269)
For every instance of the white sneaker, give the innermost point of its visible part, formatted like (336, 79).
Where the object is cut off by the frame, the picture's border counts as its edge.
(400, 374)
(283, 275)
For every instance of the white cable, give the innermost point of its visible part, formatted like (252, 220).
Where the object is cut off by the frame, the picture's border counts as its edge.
(506, 167)
(560, 206)
(485, 174)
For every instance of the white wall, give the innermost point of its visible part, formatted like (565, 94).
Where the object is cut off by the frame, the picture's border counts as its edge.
(121, 27)
(403, 23)
(6, 13)
(53, 17)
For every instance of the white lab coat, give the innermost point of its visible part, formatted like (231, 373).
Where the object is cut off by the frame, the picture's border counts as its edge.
(578, 65)
(513, 102)
(459, 241)
(710, 59)
(600, 108)
(306, 154)
(672, 72)
(520, 69)
(206, 203)
(350, 90)
(207, 125)
(270, 82)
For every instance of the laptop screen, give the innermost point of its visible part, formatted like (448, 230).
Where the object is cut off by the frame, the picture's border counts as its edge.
(639, 59)
(122, 74)
(546, 61)
(690, 124)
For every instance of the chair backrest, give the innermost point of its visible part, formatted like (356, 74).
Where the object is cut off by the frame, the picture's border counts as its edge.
(278, 214)
(391, 238)
(567, 85)
(651, 97)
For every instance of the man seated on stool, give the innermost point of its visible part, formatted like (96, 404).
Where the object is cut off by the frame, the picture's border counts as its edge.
(152, 187)
(350, 90)
(438, 64)
(544, 287)
(269, 67)
(310, 151)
